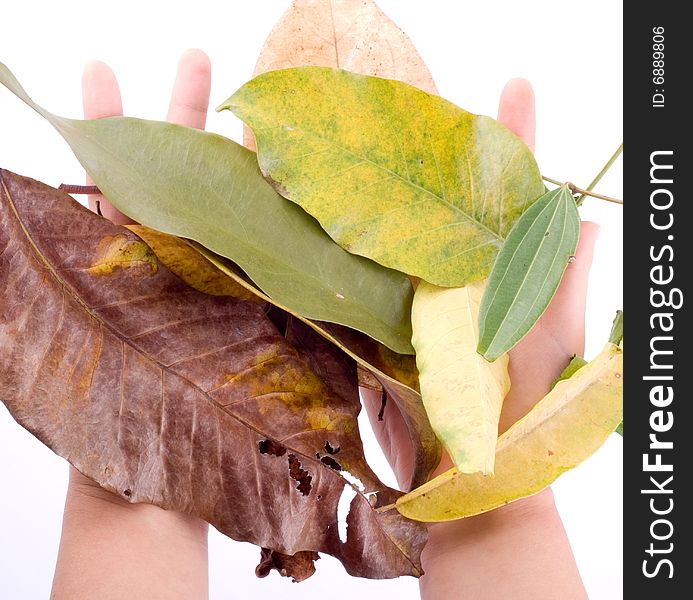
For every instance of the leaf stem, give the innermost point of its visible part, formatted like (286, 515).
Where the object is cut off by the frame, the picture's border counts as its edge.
(588, 190)
(382, 509)
(606, 167)
(583, 192)
(601, 173)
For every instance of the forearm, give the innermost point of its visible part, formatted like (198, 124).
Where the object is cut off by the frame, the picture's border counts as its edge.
(113, 549)
(517, 552)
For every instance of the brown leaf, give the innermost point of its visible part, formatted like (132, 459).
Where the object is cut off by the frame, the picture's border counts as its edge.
(299, 566)
(378, 365)
(347, 34)
(166, 395)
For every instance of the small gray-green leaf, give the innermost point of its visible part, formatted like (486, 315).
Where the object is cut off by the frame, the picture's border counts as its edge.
(527, 271)
(206, 188)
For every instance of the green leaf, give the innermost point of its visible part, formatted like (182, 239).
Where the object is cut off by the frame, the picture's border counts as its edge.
(619, 429)
(391, 172)
(576, 363)
(463, 393)
(207, 188)
(527, 271)
(616, 335)
(561, 431)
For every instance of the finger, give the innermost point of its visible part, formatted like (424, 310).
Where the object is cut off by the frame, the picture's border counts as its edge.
(516, 110)
(101, 98)
(190, 97)
(569, 303)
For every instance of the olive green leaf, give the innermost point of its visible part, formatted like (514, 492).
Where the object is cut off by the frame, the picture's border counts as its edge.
(349, 34)
(619, 429)
(395, 373)
(207, 188)
(527, 271)
(561, 431)
(391, 172)
(463, 392)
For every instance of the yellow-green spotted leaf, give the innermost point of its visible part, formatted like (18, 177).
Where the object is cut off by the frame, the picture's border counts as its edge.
(391, 172)
(204, 187)
(561, 431)
(462, 392)
(527, 271)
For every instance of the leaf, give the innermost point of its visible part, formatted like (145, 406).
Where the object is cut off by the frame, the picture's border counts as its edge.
(561, 431)
(463, 393)
(187, 263)
(165, 395)
(396, 373)
(348, 34)
(527, 271)
(616, 335)
(576, 363)
(201, 186)
(619, 429)
(391, 172)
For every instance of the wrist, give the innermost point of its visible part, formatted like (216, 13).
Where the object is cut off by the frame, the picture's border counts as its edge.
(447, 537)
(90, 505)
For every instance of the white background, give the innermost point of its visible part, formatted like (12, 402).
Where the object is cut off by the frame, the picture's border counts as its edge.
(572, 53)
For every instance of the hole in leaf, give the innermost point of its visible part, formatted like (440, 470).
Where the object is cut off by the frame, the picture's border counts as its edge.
(343, 506)
(127, 493)
(330, 449)
(331, 462)
(300, 475)
(272, 448)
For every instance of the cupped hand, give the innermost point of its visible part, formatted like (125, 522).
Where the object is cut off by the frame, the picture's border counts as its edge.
(538, 359)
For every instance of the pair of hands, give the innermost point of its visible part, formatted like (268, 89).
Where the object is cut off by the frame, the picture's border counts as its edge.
(534, 363)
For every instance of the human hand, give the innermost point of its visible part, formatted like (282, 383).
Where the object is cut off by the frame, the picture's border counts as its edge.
(110, 548)
(540, 357)
(519, 551)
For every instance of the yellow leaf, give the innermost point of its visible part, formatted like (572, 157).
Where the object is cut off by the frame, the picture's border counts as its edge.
(561, 431)
(462, 392)
(190, 265)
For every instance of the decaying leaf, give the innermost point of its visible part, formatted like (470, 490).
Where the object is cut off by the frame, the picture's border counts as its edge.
(189, 401)
(396, 373)
(391, 172)
(527, 271)
(561, 431)
(299, 566)
(186, 262)
(463, 393)
(348, 34)
(204, 187)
